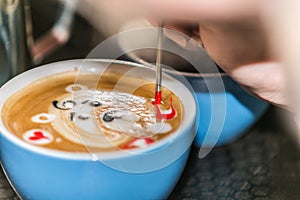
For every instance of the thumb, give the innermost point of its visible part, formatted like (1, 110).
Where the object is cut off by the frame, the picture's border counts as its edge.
(266, 80)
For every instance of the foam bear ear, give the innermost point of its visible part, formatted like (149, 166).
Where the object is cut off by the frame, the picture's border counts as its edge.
(73, 88)
(43, 118)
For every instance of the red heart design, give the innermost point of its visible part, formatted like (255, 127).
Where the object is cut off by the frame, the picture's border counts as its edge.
(135, 143)
(38, 135)
(169, 115)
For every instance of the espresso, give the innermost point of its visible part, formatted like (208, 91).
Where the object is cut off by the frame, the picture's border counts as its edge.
(78, 114)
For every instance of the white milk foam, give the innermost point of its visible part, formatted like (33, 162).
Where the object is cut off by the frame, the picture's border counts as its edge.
(104, 118)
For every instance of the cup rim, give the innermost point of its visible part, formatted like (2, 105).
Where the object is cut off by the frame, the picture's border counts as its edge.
(137, 59)
(68, 65)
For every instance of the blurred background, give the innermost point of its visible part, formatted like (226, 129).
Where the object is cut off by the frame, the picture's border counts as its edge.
(264, 164)
(84, 37)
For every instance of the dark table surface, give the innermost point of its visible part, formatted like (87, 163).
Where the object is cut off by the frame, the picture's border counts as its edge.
(263, 164)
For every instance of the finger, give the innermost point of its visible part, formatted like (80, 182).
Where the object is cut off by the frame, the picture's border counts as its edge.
(186, 35)
(192, 10)
(265, 80)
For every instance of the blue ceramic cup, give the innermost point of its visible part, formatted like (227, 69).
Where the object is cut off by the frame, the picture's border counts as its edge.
(226, 111)
(36, 172)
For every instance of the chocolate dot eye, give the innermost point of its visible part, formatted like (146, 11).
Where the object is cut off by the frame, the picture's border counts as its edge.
(107, 117)
(95, 103)
(69, 104)
(66, 105)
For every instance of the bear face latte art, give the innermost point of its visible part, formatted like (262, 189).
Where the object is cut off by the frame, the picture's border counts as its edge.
(58, 112)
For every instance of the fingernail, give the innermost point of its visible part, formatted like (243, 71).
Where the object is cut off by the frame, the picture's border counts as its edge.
(183, 40)
(177, 37)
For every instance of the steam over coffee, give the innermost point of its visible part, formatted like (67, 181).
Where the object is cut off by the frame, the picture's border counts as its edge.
(66, 113)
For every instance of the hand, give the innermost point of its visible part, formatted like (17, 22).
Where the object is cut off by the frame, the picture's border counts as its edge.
(234, 36)
(230, 30)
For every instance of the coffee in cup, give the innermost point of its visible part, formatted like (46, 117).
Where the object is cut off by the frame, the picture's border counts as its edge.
(66, 112)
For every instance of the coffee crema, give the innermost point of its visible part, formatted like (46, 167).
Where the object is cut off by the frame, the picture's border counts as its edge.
(73, 114)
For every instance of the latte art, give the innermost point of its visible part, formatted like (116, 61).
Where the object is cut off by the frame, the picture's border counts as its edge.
(104, 118)
(56, 113)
